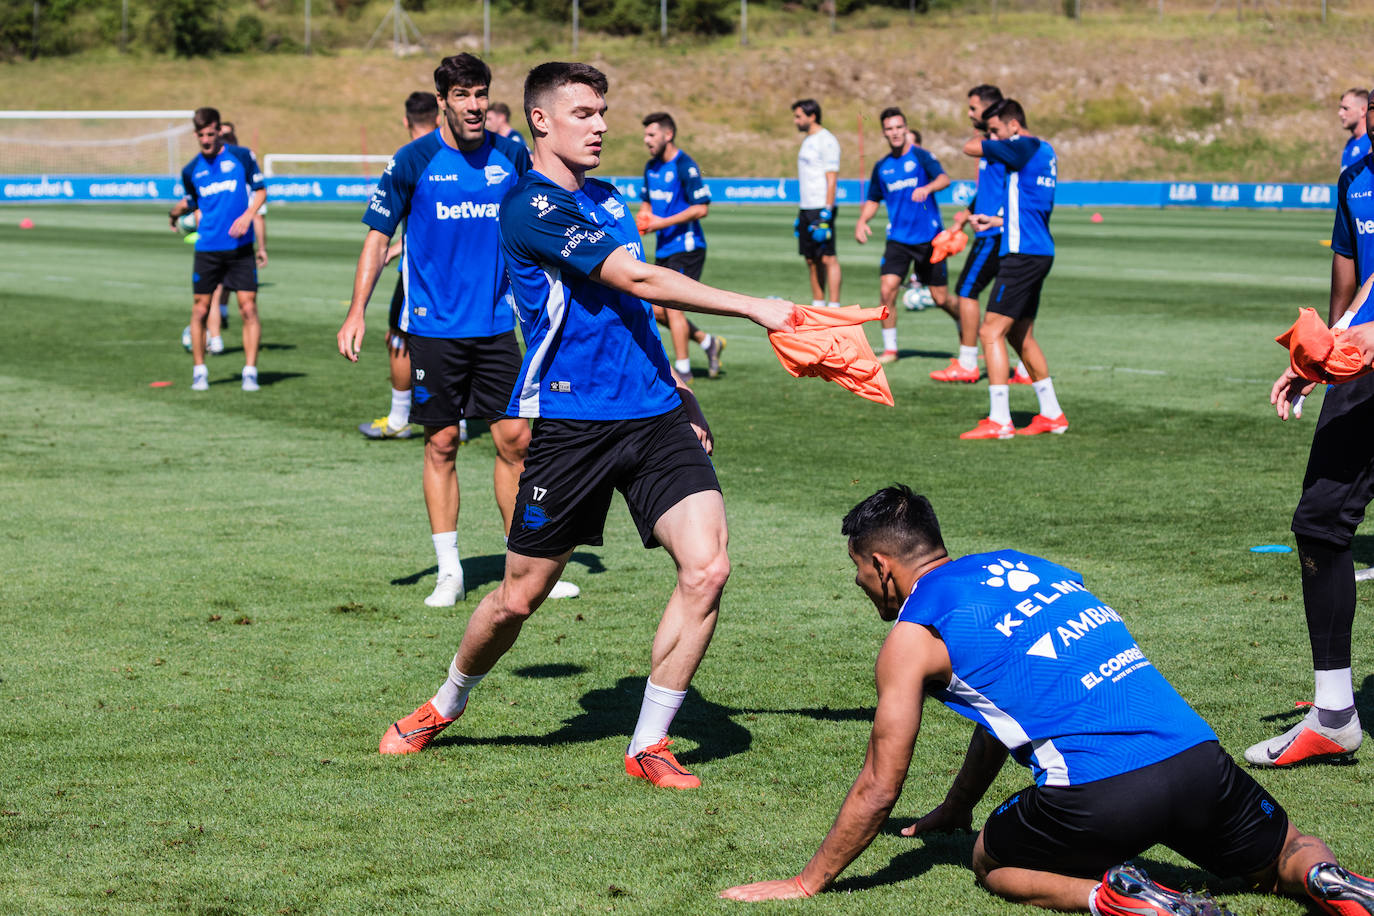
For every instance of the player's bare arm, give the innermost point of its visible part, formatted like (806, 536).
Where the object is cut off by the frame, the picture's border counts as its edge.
(240, 226)
(983, 221)
(982, 763)
(974, 146)
(939, 184)
(863, 231)
(1345, 282)
(655, 223)
(1289, 387)
(623, 271)
(370, 263)
(910, 657)
(832, 180)
(260, 232)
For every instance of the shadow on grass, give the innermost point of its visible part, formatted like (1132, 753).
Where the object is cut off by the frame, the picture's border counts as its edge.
(610, 712)
(489, 568)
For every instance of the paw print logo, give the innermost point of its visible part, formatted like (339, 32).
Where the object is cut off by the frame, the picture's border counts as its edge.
(540, 202)
(1015, 576)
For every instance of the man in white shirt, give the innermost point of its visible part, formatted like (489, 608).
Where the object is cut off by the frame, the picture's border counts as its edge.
(818, 170)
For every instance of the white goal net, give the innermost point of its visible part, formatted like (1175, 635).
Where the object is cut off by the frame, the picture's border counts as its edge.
(312, 164)
(95, 142)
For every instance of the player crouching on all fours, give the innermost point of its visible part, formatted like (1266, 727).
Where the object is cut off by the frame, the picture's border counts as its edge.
(1050, 676)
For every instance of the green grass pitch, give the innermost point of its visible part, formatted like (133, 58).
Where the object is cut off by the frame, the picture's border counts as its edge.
(211, 604)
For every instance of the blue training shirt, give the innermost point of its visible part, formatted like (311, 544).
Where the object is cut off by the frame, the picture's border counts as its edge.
(1352, 233)
(1356, 148)
(221, 189)
(669, 188)
(591, 352)
(892, 181)
(1049, 669)
(1032, 171)
(452, 266)
(991, 196)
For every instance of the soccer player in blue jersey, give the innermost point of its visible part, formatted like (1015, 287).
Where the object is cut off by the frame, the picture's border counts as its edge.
(1353, 108)
(1050, 676)
(608, 417)
(674, 200)
(225, 184)
(447, 186)
(905, 180)
(1025, 255)
(1336, 489)
(421, 117)
(498, 122)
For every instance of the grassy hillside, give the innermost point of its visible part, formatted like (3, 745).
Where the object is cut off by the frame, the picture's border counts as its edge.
(1123, 95)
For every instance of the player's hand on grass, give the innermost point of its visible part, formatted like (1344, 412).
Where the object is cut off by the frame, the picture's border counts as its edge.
(1286, 391)
(946, 818)
(350, 336)
(786, 889)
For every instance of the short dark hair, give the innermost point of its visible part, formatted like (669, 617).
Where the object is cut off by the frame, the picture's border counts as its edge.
(500, 108)
(227, 134)
(987, 93)
(662, 119)
(1007, 110)
(892, 111)
(810, 107)
(915, 135)
(556, 74)
(461, 70)
(421, 108)
(894, 520)
(204, 117)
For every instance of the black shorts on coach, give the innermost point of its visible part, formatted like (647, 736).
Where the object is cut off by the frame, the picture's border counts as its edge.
(574, 466)
(1197, 802)
(808, 247)
(688, 263)
(462, 378)
(1016, 291)
(234, 269)
(899, 259)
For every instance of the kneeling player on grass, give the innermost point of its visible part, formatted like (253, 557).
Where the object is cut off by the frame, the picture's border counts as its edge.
(609, 417)
(1050, 675)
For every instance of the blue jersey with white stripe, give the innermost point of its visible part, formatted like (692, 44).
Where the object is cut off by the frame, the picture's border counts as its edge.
(892, 181)
(1356, 148)
(991, 196)
(1352, 234)
(669, 188)
(450, 201)
(221, 189)
(1032, 171)
(591, 352)
(1049, 669)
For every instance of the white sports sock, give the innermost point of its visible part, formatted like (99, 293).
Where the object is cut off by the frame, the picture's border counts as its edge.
(453, 695)
(818, 303)
(400, 409)
(890, 339)
(707, 341)
(655, 715)
(249, 371)
(1049, 404)
(446, 552)
(999, 409)
(213, 341)
(968, 356)
(834, 305)
(1335, 689)
(200, 370)
(682, 365)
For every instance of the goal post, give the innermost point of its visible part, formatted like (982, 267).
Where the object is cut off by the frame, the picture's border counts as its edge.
(96, 142)
(332, 164)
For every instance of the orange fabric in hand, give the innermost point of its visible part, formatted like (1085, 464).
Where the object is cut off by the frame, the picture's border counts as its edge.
(830, 343)
(1316, 353)
(947, 242)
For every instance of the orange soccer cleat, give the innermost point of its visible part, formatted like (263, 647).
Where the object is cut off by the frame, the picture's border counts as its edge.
(956, 373)
(1043, 424)
(415, 731)
(989, 428)
(658, 765)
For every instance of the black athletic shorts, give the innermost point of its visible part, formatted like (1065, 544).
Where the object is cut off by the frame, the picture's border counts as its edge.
(687, 263)
(1198, 803)
(1339, 482)
(574, 465)
(808, 247)
(234, 269)
(456, 379)
(980, 267)
(1016, 292)
(899, 259)
(398, 302)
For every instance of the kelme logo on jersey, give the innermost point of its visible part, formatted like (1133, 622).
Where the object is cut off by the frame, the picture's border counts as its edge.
(495, 174)
(1015, 576)
(466, 210)
(541, 203)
